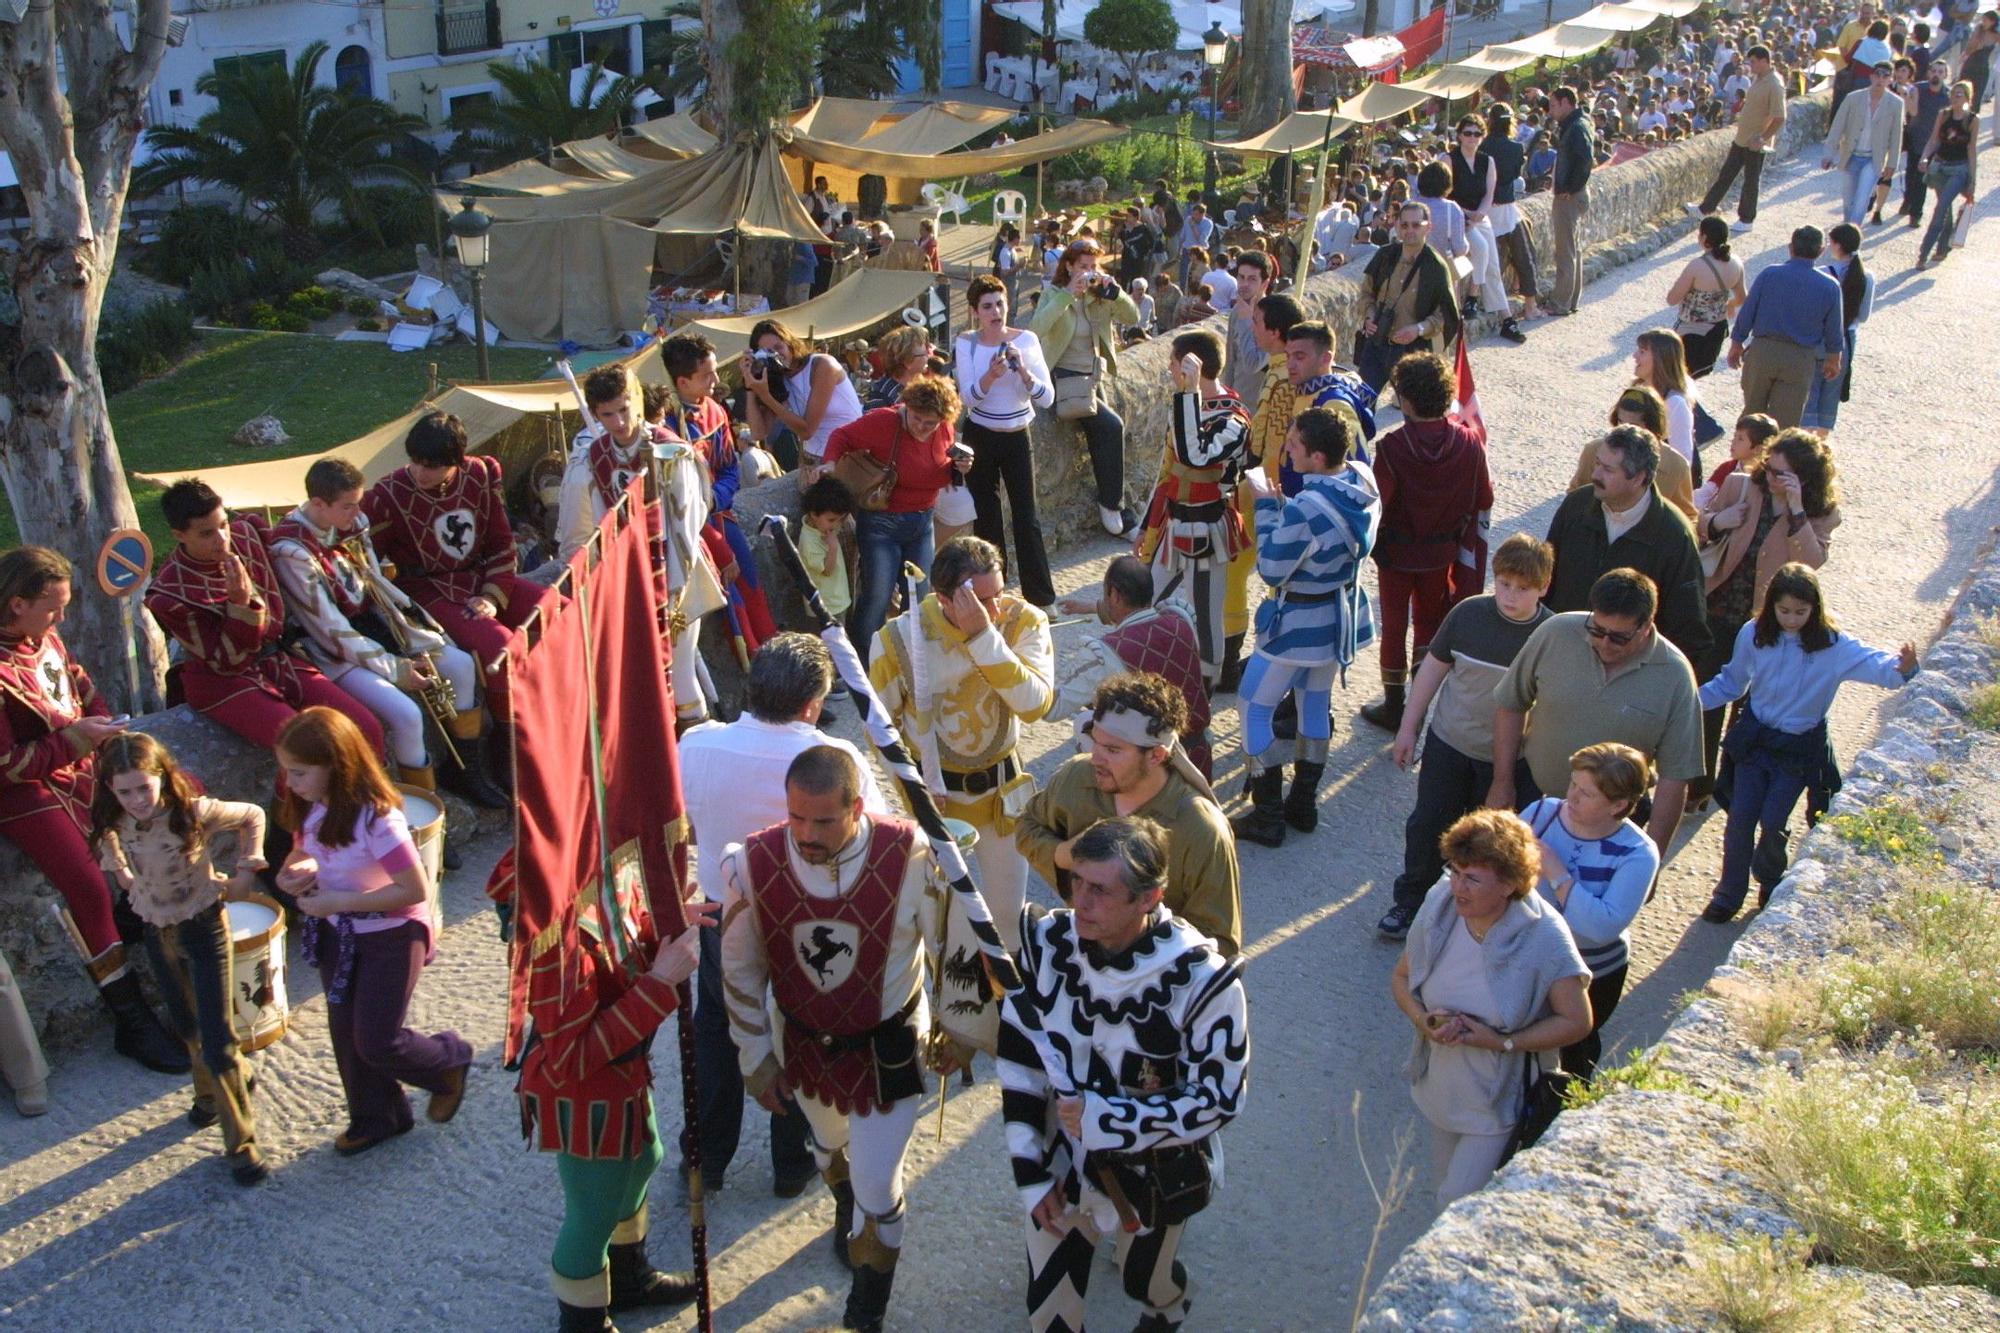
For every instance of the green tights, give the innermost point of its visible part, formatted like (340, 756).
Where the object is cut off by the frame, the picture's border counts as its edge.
(597, 1196)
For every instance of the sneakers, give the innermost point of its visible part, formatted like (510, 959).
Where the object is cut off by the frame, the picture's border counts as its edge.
(1694, 210)
(1511, 331)
(1395, 922)
(1117, 522)
(1739, 228)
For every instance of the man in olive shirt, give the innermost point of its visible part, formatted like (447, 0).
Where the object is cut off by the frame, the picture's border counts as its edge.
(1757, 126)
(1604, 674)
(1407, 303)
(1133, 768)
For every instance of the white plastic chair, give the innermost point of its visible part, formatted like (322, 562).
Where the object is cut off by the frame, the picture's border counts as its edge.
(945, 201)
(1010, 206)
(992, 71)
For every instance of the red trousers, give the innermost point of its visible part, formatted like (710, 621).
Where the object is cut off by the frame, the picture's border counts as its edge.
(1431, 594)
(486, 638)
(55, 844)
(258, 715)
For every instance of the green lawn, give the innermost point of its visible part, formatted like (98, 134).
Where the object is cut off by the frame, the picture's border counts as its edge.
(324, 392)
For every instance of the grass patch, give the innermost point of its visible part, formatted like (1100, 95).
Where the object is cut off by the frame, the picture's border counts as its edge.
(1986, 628)
(1766, 1285)
(1898, 830)
(1642, 1070)
(1888, 1179)
(325, 392)
(1984, 710)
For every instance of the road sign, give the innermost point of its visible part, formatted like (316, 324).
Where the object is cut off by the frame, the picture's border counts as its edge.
(124, 562)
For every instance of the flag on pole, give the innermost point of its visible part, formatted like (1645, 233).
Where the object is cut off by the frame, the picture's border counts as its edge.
(1468, 575)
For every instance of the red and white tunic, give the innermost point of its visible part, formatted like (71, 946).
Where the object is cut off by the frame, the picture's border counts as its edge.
(42, 694)
(448, 543)
(235, 648)
(326, 593)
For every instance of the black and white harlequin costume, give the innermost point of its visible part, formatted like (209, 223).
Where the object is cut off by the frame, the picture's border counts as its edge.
(1156, 1041)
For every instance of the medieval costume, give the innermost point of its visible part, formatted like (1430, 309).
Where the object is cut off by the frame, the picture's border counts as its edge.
(449, 544)
(1313, 621)
(962, 701)
(241, 666)
(1156, 1042)
(351, 614)
(1160, 639)
(586, 1096)
(1192, 529)
(843, 950)
(47, 780)
(1265, 446)
(707, 429)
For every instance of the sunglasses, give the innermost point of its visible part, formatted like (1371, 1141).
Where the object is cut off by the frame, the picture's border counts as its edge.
(1618, 638)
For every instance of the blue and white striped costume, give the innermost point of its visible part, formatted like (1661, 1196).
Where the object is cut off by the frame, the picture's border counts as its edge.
(1316, 617)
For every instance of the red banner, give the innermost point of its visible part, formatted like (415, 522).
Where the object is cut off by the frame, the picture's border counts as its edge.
(593, 684)
(1423, 39)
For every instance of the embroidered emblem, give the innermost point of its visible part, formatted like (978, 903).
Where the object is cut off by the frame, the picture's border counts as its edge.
(828, 949)
(455, 532)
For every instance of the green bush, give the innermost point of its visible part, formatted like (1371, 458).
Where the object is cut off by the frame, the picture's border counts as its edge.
(368, 324)
(198, 236)
(1136, 160)
(361, 307)
(260, 315)
(312, 302)
(143, 342)
(292, 322)
(393, 216)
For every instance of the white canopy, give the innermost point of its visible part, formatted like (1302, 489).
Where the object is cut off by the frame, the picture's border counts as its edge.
(1193, 16)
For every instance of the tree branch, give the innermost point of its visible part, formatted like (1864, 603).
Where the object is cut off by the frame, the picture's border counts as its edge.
(28, 83)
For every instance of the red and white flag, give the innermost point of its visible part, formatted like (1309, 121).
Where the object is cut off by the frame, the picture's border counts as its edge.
(1468, 576)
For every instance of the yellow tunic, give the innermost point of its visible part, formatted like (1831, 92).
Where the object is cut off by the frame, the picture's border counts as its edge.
(1268, 428)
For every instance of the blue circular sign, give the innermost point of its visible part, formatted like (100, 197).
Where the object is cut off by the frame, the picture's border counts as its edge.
(124, 562)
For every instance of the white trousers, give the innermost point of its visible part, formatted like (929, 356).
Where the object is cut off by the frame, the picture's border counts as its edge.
(21, 1062)
(1464, 1163)
(402, 717)
(1486, 278)
(877, 1145)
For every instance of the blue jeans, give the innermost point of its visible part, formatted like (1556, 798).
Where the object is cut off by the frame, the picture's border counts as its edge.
(1862, 175)
(886, 541)
(1762, 799)
(1945, 216)
(1823, 395)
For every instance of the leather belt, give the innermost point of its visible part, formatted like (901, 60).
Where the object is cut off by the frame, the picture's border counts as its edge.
(1311, 598)
(1208, 512)
(982, 780)
(841, 1042)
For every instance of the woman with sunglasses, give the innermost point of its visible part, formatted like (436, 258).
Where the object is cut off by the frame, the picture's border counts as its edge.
(1474, 180)
(1951, 168)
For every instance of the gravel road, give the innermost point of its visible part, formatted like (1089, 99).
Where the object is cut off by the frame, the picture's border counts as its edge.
(111, 1202)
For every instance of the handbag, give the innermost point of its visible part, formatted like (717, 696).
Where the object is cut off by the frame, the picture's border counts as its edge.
(1706, 428)
(1165, 1185)
(1541, 1102)
(867, 478)
(1076, 394)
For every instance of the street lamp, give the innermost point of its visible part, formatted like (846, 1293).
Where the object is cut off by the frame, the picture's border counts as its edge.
(1214, 50)
(469, 227)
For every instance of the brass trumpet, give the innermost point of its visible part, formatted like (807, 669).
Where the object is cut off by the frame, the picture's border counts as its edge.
(434, 693)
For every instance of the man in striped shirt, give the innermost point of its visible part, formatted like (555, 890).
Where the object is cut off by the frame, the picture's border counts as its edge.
(1316, 617)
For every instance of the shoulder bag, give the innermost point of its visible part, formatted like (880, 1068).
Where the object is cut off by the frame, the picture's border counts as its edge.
(867, 478)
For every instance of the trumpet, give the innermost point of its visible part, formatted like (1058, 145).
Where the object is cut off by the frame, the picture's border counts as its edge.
(434, 693)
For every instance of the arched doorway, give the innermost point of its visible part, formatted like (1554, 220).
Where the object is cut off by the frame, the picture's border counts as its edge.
(351, 73)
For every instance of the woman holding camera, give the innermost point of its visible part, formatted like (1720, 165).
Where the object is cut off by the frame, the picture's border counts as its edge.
(1077, 322)
(807, 393)
(1003, 379)
(1489, 976)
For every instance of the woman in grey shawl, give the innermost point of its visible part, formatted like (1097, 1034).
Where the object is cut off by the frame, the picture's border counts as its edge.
(1489, 976)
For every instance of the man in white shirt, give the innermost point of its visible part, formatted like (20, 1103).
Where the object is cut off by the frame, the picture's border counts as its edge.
(733, 784)
(1221, 282)
(1653, 118)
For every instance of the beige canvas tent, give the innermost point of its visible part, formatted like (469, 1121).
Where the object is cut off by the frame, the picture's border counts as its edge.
(1300, 132)
(1565, 41)
(1379, 102)
(951, 166)
(679, 135)
(526, 177)
(604, 158)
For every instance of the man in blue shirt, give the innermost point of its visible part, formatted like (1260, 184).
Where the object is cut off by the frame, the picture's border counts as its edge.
(1792, 320)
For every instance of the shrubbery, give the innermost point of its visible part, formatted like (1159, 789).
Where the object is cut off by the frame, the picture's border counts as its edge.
(142, 342)
(1133, 162)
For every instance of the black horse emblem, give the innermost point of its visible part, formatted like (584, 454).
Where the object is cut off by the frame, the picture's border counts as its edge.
(455, 532)
(259, 995)
(825, 946)
(52, 673)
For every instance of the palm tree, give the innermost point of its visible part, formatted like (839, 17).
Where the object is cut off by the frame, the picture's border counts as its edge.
(860, 42)
(286, 144)
(536, 113)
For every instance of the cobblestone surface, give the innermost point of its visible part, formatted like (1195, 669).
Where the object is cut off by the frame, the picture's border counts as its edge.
(111, 1202)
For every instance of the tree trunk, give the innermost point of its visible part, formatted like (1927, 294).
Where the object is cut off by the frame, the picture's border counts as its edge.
(1267, 94)
(73, 153)
(721, 21)
(1370, 17)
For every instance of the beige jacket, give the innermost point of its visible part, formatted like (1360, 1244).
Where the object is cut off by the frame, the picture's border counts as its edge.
(1858, 130)
(1808, 544)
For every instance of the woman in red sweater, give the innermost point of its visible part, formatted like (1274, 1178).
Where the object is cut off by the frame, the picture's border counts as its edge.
(914, 437)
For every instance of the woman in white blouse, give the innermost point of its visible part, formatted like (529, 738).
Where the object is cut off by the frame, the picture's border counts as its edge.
(1660, 363)
(1003, 378)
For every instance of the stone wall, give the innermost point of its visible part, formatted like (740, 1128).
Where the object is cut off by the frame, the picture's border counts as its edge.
(1594, 1227)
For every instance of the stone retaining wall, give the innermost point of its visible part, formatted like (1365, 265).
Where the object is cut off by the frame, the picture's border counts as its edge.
(1594, 1227)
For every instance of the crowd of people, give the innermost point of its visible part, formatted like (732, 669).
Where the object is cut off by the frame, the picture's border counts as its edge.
(1667, 643)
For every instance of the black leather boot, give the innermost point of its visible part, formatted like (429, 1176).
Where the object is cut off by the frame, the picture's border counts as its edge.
(636, 1283)
(874, 1275)
(469, 777)
(1388, 714)
(1302, 802)
(137, 1033)
(1232, 666)
(500, 756)
(1265, 822)
(837, 1181)
(584, 1319)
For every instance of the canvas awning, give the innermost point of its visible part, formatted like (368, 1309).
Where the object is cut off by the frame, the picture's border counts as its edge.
(680, 135)
(937, 127)
(1496, 59)
(526, 177)
(951, 166)
(1381, 101)
(1300, 132)
(857, 301)
(1562, 42)
(580, 278)
(1450, 81)
(1671, 8)
(603, 158)
(846, 120)
(1618, 18)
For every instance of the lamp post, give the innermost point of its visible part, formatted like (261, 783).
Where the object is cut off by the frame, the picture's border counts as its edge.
(1215, 51)
(469, 227)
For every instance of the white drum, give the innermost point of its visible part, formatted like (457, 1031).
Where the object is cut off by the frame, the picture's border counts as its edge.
(425, 815)
(259, 1009)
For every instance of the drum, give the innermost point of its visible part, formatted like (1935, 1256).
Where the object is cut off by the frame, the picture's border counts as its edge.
(425, 814)
(259, 1009)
